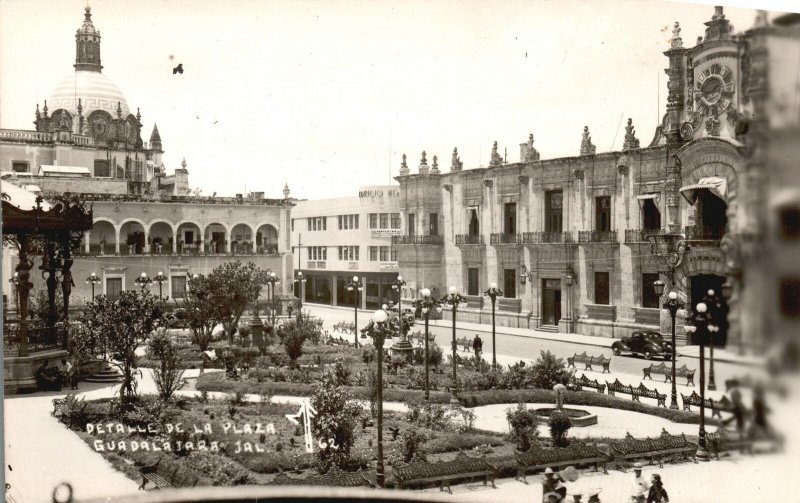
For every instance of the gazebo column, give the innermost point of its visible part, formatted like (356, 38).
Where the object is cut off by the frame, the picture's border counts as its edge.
(23, 287)
(66, 284)
(48, 267)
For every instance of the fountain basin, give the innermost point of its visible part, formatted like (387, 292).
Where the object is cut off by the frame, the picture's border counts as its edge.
(579, 418)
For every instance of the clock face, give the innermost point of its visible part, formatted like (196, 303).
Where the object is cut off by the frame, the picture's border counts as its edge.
(714, 90)
(100, 126)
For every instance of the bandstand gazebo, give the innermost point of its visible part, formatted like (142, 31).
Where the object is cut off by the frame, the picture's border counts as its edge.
(49, 232)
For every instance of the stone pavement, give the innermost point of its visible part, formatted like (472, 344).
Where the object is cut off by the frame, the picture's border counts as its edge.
(332, 315)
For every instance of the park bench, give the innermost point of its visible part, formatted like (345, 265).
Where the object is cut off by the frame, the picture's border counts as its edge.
(637, 392)
(666, 371)
(344, 327)
(464, 342)
(60, 403)
(444, 472)
(574, 455)
(334, 477)
(721, 405)
(584, 382)
(653, 450)
(166, 475)
(724, 441)
(589, 361)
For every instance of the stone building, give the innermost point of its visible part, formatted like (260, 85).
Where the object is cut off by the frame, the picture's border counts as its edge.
(574, 242)
(338, 238)
(88, 142)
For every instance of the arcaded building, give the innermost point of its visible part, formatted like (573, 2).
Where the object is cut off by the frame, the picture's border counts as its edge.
(88, 141)
(573, 242)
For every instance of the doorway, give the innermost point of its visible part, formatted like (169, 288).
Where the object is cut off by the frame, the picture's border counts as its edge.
(700, 285)
(551, 301)
(713, 216)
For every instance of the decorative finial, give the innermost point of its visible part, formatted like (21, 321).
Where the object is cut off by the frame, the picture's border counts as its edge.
(699, 39)
(80, 107)
(455, 162)
(530, 153)
(587, 148)
(435, 166)
(119, 110)
(761, 19)
(45, 109)
(631, 142)
(138, 115)
(87, 14)
(404, 167)
(718, 13)
(423, 164)
(495, 160)
(286, 191)
(423, 160)
(183, 163)
(38, 114)
(676, 41)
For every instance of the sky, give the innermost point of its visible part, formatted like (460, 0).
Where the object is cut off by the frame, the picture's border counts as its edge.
(326, 96)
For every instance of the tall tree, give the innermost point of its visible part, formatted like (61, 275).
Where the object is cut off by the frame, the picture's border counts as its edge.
(235, 287)
(201, 306)
(120, 326)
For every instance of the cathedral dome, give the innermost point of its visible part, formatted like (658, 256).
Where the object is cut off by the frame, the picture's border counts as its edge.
(95, 90)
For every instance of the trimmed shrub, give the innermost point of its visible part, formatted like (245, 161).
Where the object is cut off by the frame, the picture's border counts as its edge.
(560, 423)
(548, 370)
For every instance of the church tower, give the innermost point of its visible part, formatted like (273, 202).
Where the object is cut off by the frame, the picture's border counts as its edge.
(87, 45)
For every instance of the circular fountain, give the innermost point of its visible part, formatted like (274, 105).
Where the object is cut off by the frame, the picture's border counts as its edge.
(578, 417)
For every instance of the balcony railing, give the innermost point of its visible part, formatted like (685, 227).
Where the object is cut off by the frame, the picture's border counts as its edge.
(505, 239)
(597, 236)
(39, 338)
(546, 237)
(417, 240)
(640, 235)
(703, 233)
(183, 250)
(469, 239)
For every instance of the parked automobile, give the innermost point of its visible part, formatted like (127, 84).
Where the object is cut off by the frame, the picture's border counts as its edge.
(647, 344)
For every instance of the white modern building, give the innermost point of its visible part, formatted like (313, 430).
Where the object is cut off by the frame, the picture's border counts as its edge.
(339, 238)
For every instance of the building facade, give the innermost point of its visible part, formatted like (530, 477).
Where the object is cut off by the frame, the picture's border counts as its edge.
(88, 142)
(576, 243)
(337, 239)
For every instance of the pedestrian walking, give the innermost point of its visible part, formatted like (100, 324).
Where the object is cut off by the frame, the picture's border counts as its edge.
(477, 345)
(657, 493)
(641, 487)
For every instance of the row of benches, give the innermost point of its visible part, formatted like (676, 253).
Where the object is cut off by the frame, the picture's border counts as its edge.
(344, 327)
(588, 360)
(666, 371)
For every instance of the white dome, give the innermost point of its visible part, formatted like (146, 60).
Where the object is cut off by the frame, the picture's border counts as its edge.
(95, 90)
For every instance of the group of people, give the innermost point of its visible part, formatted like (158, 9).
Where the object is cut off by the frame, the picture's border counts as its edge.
(642, 490)
(55, 377)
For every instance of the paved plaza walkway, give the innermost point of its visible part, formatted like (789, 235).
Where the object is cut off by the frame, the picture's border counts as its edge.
(41, 452)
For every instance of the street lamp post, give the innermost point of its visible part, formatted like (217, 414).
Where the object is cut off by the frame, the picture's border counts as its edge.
(160, 279)
(673, 304)
(301, 283)
(492, 292)
(454, 299)
(355, 286)
(143, 281)
(426, 304)
(93, 280)
(398, 285)
(379, 330)
(715, 305)
(272, 280)
(700, 324)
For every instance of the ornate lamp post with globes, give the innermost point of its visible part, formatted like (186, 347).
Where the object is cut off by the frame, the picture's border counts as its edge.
(143, 281)
(93, 280)
(673, 305)
(301, 285)
(355, 286)
(272, 280)
(699, 324)
(397, 285)
(492, 293)
(160, 279)
(426, 304)
(379, 330)
(454, 299)
(716, 308)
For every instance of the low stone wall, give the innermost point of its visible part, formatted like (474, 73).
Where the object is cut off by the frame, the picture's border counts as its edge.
(19, 372)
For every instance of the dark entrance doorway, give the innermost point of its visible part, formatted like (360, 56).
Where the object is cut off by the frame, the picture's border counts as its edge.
(700, 285)
(551, 301)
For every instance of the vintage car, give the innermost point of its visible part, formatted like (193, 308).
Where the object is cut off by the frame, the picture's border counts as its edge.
(647, 344)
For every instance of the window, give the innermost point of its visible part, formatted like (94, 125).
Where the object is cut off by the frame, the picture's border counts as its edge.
(649, 297)
(113, 288)
(433, 224)
(393, 254)
(651, 217)
(20, 166)
(178, 287)
(790, 297)
(308, 221)
(188, 237)
(474, 224)
(472, 281)
(101, 168)
(317, 253)
(601, 285)
(602, 212)
(554, 205)
(348, 222)
(510, 218)
(384, 253)
(395, 220)
(790, 222)
(510, 283)
(412, 224)
(373, 220)
(318, 223)
(384, 220)
(373, 253)
(348, 253)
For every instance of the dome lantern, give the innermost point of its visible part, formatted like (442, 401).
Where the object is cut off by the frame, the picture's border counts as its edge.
(87, 45)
